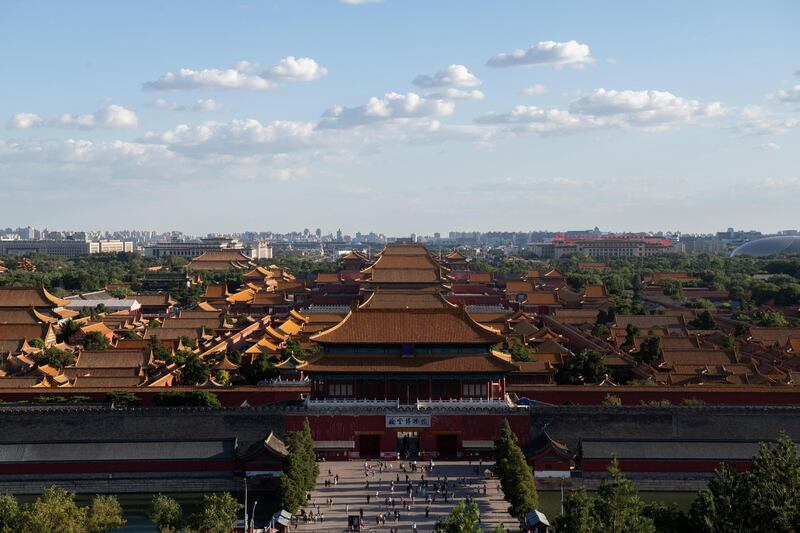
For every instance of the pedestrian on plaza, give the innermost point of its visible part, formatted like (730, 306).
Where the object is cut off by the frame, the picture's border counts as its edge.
(414, 527)
(361, 512)
(427, 512)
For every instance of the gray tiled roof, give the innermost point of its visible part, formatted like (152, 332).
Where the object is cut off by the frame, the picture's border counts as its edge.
(85, 451)
(668, 449)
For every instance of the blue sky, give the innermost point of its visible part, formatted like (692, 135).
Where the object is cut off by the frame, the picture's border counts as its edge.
(400, 116)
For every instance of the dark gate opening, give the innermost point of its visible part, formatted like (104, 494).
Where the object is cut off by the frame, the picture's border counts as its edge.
(369, 446)
(447, 446)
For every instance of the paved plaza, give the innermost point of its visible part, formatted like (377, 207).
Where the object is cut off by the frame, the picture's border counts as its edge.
(349, 495)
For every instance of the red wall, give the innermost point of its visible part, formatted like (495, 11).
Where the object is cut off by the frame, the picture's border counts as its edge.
(467, 427)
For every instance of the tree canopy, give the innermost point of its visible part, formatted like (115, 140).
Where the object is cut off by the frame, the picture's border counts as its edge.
(300, 469)
(516, 476)
(463, 518)
(586, 367)
(56, 510)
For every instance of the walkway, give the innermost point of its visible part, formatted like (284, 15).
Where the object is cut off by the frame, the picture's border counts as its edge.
(349, 496)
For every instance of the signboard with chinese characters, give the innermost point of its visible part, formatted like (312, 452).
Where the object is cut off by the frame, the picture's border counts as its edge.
(408, 421)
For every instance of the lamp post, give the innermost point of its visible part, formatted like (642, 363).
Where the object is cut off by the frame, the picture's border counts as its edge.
(245, 503)
(253, 517)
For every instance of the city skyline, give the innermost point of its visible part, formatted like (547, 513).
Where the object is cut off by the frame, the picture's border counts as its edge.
(400, 116)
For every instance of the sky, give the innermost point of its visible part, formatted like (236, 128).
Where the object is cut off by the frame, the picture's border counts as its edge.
(400, 116)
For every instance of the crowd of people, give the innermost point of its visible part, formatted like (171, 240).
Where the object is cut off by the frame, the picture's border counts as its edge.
(394, 491)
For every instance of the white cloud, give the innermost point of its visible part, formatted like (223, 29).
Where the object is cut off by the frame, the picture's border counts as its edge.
(295, 69)
(246, 136)
(647, 110)
(533, 119)
(203, 104)
(452, 76)
(790, 96)
(161, 103)
(644, 108)
(767, 126)
(753, 111)
(110, 116)
(23, 121)
(533, 90)
(216, 79)
(458, 94)
(770, 146)
(548, 53)
(391, 106)
(206, 104)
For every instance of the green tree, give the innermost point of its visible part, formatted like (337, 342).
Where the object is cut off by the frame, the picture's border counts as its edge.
(726, 342)
(160, 352)
(667, 518)
(585, 367)
(68, 329)
(123, 398)
(55, 357)
(772, 319)
(704, 320)
(293, 497)
(223, 377)
(617, 506)
(217, 513)
(261, 369)
(649, 350)
(463, 518)
(612, 400)
(631, 332)
(194, 370)
(516, 476)
(518, 351)
(189, 342)
(166, 514)
(720, 507)
(766, 499)
(578, 514)
(94, 341)
(234, 356)
(300, 468)
(36, 342)
(105, 514)
(292, 348)
(197, 398)
(54, 510)
(9, 513)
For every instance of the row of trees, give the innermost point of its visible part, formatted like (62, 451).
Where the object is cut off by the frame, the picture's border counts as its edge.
(300, 469)
(217, 514)
(765, 499)
(56, 510)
